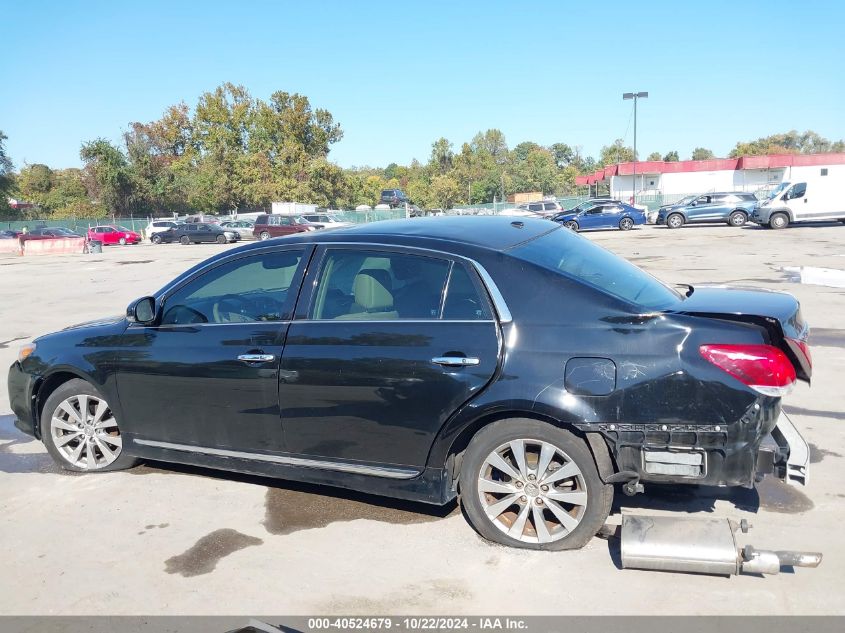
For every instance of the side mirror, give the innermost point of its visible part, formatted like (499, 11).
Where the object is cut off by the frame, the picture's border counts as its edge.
(141, 310)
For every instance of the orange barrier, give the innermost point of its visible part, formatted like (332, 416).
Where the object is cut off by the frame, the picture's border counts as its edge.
(11, 247)
(55, 246)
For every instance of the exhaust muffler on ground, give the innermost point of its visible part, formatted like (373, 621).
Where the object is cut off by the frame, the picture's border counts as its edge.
(700, 547)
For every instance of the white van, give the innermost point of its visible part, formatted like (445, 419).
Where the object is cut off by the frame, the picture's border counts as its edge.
(812, 199)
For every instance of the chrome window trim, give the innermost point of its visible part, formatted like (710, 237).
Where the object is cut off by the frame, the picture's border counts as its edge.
(499, 303)
(389, 472)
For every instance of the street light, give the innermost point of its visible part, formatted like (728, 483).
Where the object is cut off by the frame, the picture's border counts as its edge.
(635, 96)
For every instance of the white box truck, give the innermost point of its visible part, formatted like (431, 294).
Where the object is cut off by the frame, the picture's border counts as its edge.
(815, 197)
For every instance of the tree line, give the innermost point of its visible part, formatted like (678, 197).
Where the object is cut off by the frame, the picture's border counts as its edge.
(233, 152)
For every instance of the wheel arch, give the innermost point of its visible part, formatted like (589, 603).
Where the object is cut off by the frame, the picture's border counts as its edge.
(454, 449)
(46, 386)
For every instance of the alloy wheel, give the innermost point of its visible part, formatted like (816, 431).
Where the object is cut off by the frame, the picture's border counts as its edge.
(264, 235)
(85, 432)
(532, 491)
(626, 224)
(571, 225)
(675, 221)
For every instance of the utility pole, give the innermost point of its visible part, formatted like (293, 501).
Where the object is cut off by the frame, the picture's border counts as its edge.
(635, 96)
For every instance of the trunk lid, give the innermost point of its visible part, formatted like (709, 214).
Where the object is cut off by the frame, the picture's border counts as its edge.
(779, 313)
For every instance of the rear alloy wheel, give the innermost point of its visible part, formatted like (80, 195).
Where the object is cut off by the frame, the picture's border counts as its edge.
(221, 239)
(264, 235)
(156, 239)
(122, 241)
(529, 484)
(675, 221)
(572, 225)
(184, 240)
(626, 224)
(779, 221)
(738, 218)
(80, 430)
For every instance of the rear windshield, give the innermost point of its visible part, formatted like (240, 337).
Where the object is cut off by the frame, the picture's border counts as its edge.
(577, 257)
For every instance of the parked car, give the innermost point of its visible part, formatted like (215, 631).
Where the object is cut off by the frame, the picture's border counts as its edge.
(48, 233)
(277, 225)
(583, 206)
(813, 199)
(393, 198)
(159, 226)
(110, 234)
(602, 215)
(194, 233)
(326, 219)
(10, 234)
(731, 207)
(243, 227)
(385, 358)
(533, 209)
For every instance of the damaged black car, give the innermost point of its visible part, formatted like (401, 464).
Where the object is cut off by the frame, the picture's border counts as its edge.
(509, 361)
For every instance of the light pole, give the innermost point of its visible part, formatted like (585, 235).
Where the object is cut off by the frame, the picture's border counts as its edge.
(635, 96)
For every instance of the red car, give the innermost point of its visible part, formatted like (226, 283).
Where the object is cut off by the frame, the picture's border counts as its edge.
(111, 234)
(276, 225)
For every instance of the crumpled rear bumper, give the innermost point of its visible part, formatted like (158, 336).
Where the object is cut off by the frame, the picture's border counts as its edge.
(785, 454)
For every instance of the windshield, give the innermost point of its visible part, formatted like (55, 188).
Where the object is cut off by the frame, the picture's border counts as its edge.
(577, 257)
(686, 200)
(778, 189)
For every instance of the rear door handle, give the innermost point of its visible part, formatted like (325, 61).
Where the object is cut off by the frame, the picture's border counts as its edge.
(256, 358)
(455, 361)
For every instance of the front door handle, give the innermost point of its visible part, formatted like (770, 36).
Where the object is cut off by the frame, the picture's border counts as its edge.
(455, 361)
(256, 358)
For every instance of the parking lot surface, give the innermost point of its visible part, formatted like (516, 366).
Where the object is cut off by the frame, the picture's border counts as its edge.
(167, 540)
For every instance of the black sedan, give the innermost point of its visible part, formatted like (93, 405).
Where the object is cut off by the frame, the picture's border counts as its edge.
(510, 360)
(196, 232)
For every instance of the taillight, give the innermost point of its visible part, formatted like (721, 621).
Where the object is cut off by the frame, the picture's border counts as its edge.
(805, 349)
(764, 368)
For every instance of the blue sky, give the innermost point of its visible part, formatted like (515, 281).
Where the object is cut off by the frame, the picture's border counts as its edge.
(398, 75)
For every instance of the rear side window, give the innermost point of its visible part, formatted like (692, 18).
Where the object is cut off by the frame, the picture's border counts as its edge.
(550, 206)
(564, 252)
(464, 301)
(379, 286)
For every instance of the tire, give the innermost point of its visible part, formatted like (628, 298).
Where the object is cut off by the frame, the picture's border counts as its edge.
(626, 224)
(738, 218)
(779, 221)
(122, 241)
(572, 225)
(532, 508)
(156, 239)
(221, 239)
(675, 221)
(264, 235)
(184, 240)
(95, 441)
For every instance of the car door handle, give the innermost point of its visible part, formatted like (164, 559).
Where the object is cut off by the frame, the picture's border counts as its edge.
(455, 361)
(256, 358)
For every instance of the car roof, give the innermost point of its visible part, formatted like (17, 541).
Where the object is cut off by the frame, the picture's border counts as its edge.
(486, 232)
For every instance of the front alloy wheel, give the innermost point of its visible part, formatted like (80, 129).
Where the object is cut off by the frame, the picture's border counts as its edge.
(529, 484)
(675, 221)
(81, 432)
(122, 241)
(626, 224)
(572, 225)
(156, 239)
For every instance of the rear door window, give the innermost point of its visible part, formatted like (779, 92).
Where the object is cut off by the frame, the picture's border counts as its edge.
(357, 285)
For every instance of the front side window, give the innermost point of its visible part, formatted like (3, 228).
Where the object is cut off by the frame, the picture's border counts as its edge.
(564, 252)
(703, 200)
(379, 286)
(245, 290)
(798, 190)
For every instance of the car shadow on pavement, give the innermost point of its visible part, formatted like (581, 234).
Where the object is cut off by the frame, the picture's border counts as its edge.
(14, 461)
(291, 506)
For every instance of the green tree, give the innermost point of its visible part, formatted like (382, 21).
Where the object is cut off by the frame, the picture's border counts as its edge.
(110, 175)
(443, 193)
(616, 152)
(672, 157)
(6, 180)
(654, 156)
(792, 142)
(702, 153)
(563, 153)
(441, 156)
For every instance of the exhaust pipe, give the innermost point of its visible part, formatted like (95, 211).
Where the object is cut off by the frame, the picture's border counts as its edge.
(700, 547)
